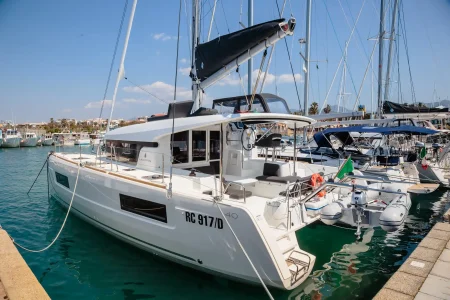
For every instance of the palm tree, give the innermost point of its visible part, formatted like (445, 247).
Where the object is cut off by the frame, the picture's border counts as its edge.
(313, 109)
(327, 109)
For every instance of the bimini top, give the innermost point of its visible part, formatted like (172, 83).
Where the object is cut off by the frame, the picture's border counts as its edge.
(152, 131)
(343, 133)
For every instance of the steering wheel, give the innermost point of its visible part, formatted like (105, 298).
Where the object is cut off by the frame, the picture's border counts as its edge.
(248, 138)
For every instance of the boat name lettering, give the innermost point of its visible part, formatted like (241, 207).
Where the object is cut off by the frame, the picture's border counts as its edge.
(204, 220)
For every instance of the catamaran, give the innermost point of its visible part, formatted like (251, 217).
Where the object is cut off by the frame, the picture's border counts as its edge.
(189, 186)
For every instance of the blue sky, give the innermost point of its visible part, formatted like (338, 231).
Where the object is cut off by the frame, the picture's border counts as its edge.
(55, 55)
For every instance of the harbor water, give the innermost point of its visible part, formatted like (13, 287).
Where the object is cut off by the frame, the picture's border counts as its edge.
(86, 263)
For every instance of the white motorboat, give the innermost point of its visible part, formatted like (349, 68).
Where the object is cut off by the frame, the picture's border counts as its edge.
(11, 138)
(64, 139)
(47, 140)
(96, 138)
(30, 139)
(1, 138)
(82, 139)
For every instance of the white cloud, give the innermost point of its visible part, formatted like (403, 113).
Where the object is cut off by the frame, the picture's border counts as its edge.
(137, 101)
(183, 61)
(66, 110)
(287, 78)
(163, 36)
(233, 78)
(99, 104)
(162, 90)
(185, 71)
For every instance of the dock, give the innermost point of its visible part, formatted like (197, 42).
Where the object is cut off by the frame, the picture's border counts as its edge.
(426, 272)
(17, 281)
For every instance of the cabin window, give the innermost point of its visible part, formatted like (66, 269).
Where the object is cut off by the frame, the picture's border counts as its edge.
(256, 105)
(127, 151)
(277, 106)
(62, 179)
(214, 145)
(149, 209)
(198, 145)
(181, 147)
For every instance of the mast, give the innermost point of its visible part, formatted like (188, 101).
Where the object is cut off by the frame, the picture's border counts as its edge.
(380, 60)
(250, 62)
(308, 46)
(391, 46)
(121, 72)
(195, 42)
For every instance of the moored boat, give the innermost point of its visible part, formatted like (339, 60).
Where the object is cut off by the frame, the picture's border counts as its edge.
(11, 138)
(29, 139)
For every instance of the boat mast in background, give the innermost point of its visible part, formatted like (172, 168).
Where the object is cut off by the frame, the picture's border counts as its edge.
(380, 61)
(306, 69)
(195, 42)
(250, 61)
(121, 72)
(391, 46)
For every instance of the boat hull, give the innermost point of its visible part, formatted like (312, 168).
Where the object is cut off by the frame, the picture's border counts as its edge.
(82, 142)
(29, 142)
(47, 142)
(182, 239)
(11, 142)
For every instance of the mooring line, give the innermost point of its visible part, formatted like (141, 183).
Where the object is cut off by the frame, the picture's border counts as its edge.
(63, 224)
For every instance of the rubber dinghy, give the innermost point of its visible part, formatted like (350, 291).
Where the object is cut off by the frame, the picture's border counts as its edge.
(364, 209)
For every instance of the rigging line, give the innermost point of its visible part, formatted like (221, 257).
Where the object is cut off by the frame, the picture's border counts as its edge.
(63, 224)
(188, 29)
(357, 32)
(342, 57)
(169, 193)
(226, 21)
(113, 57)
(339, 43)
(263, 59)
(245, 252)
(141, 88)
(405, 41)
(290, 63)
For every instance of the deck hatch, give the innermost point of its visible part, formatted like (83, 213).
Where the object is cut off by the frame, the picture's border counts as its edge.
(149, 209)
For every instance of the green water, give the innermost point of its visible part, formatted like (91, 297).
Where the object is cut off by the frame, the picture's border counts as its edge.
(86, 263)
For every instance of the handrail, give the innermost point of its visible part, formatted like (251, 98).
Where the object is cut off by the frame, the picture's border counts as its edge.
(235, 183)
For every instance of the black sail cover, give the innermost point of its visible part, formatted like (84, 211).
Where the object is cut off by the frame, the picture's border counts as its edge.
(215, 54)
(395, 108)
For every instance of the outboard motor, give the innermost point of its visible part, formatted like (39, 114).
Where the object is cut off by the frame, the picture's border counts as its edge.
(358, 201)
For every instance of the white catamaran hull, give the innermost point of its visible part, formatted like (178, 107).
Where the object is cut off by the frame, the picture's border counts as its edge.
(185, 238)
(11, 142)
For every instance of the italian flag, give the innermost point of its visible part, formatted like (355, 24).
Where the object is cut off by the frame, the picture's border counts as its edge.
(346, 168)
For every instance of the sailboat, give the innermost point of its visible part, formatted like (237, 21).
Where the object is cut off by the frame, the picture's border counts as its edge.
(203, 220)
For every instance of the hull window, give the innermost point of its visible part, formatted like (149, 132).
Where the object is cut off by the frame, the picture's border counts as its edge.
(62, 179)
(144, 208)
